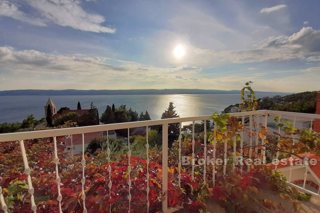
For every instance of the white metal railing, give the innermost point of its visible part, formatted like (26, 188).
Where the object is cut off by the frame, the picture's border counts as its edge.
(261, 115)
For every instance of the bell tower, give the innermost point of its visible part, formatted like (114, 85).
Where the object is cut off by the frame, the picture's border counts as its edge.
(52, 107)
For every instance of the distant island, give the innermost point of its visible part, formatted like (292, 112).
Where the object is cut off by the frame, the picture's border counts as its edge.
(122, 92)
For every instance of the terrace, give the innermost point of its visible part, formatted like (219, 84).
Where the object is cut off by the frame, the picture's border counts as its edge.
(255, 136)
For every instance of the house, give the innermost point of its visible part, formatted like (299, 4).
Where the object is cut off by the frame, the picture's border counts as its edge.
(81, 117)
(74, 117)
(302, 170)
(73, 143)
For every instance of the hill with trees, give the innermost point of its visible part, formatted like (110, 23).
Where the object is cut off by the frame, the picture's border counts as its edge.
(299, 102)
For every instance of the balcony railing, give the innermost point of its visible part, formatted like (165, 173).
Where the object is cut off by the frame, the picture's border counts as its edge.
(251, 121)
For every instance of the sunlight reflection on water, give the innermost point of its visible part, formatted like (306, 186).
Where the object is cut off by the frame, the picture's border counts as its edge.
(16, 108)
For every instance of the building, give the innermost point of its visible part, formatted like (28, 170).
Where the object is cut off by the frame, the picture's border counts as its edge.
(79, 117)
(303, 171)
(316, 125)
(52, 106)
(73, 143)
(75, 117)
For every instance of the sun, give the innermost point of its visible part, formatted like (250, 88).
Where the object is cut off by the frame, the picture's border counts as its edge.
(179, 51)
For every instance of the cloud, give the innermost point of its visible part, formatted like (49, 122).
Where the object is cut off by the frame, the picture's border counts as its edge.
(312, 70)
(79, 71)
(69, 13)
(65, 13)
(8, 9)
(32, 69)
(276, 8)
(303, 45)
(307, 38)
(306, 41)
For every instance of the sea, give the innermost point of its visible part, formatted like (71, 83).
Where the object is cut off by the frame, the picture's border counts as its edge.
(16, 108)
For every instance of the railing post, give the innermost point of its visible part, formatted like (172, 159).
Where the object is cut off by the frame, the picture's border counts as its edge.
(2, 202)
(305, 162)
(205, 152)
(165, 167)
(193, 155)
(264, 160)
(179, 155)
(29, 179)
(83, 179)
(250, 136)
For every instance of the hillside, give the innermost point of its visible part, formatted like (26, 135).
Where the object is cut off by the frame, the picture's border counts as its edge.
(299, 102)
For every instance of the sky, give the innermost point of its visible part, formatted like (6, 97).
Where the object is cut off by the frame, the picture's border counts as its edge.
(132, 44)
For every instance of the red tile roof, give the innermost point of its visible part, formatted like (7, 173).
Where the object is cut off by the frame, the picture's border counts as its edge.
(316, 124)
(299, 161)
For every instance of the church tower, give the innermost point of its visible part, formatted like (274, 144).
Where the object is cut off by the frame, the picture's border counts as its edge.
(52, 106)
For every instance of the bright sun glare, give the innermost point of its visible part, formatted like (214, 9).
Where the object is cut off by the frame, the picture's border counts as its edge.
(179, 51)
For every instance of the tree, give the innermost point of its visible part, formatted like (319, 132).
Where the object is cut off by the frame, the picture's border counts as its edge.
(133, 115)
(147, 116)
(49, 116)
(92, 106)
(79, 106)
(108, 116)
(70, 117)
(29, 122)
(173, 129)
(89, 118)
(63, 109)
(144, 116)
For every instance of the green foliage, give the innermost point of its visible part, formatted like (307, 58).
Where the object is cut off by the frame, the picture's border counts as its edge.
(221, 121)
(108, 116)
(173, 129)
(78, 106)
(9, 127)
(71, 116)
(144, 116)
(89, 118)
(155, 139)
(279, 183)
(49, 116)
(170, 112)
(118, 115)
(286, 125)
(198, 127)
(16, 192)
(304, 196)
(117, 146)
(248, 98)
(299, 102)
(66, 117)
(63, 109)
(29, 122)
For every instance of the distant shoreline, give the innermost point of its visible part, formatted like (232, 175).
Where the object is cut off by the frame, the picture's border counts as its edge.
(69, 92)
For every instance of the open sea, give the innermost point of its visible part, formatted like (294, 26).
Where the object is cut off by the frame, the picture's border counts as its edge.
(16, 108)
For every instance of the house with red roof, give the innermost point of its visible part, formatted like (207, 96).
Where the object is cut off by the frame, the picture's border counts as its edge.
(75, 117)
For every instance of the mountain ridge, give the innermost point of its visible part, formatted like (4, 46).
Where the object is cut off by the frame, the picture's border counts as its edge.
(67, 92)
